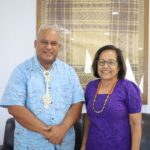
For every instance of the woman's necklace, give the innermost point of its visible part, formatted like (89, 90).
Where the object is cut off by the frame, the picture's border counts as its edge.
(105, 101)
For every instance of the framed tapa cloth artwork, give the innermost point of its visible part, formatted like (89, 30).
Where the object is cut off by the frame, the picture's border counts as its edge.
(88, 25)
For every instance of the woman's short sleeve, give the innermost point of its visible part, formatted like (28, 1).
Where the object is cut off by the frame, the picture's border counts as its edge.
(134, 102)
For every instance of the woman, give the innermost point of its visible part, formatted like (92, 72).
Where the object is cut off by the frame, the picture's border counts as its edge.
(113, 120)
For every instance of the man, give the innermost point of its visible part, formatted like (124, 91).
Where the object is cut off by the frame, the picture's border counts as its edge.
(45, 97)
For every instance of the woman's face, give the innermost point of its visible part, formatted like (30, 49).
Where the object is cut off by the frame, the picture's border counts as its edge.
(107, 65)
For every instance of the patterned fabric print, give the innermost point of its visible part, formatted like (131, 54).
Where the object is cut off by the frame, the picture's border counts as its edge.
(110, 130)
(26, 87)
(87, 21)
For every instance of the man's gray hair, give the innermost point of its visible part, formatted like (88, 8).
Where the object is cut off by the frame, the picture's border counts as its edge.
(51, 27)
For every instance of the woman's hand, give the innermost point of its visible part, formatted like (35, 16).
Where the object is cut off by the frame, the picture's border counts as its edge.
(82, 147)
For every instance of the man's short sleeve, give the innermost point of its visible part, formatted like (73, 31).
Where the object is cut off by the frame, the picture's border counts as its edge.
(15, 92)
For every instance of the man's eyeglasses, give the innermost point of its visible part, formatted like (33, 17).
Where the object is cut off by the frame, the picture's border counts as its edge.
(46, 43)
(109, 62)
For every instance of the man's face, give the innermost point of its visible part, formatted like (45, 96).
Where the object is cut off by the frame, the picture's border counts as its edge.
(47, 46)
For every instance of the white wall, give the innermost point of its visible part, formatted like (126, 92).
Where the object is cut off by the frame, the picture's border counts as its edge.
(17, 34)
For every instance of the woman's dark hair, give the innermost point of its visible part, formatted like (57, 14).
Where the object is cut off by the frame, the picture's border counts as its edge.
(120, 60)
